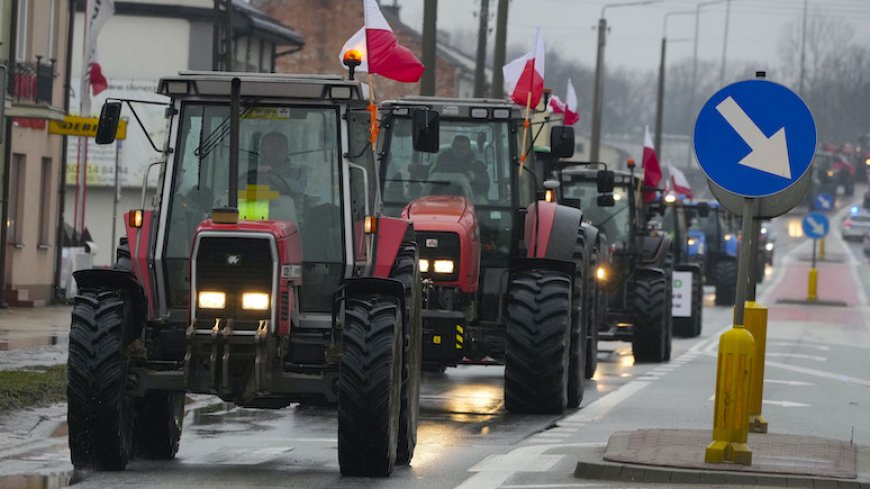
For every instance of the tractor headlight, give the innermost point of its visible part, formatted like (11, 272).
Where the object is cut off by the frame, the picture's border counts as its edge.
(443, 266)
(601, 274)
(424, 266)
(692, 241)
(258, 301)
(768, 247)
(211, 299)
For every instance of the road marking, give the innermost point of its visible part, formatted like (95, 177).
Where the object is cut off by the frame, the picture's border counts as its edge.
(549, 486)
(819, 373)
(785, 403)
(602, 406)
(798, 355)
(789, 382)
(801, 345)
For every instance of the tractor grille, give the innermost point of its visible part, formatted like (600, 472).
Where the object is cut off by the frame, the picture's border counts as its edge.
(234, 265)
(439, 246)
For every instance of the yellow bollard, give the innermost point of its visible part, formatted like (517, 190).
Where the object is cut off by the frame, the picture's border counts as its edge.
(756, 323)
(730, 414)
(822, 249)
(811, 284)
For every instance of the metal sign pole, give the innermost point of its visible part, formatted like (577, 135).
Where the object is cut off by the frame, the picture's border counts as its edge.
(753, 264)
(743, 264)
(815, 241)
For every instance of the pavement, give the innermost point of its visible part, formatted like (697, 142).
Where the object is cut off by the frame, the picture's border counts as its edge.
(31, 337)
(676, 455)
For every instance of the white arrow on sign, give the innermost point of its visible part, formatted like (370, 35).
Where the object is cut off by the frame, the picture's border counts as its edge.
(818, 228)
(769, 155)
(786, 403)
(826, 204)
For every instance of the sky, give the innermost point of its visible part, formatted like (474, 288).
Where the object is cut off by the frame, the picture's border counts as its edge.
(755, 26)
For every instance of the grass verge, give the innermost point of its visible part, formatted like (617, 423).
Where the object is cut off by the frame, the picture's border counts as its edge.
(21, 389)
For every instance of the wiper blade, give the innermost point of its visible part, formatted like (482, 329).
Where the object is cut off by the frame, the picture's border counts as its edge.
(217, 135)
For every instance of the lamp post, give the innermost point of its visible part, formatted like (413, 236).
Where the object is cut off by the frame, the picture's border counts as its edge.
(598, 97)
(661, 89)
(695, 71)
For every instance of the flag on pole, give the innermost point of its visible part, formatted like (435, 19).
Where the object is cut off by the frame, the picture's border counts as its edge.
(652, 172)
(569, 108)
(678, 183)
(381, 52)
(524, 76)
(93, 79)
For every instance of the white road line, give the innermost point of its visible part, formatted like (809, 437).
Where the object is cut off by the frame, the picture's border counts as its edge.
(789, 382)
(549, 486)
(819, 373)
(801, 345)
(797, 355)
(494, 470)
(785, 403)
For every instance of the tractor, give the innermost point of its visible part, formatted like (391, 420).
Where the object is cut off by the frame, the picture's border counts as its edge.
(506, 272)
(638, 281)
(717, 250)
(262, 274)
(688, 306)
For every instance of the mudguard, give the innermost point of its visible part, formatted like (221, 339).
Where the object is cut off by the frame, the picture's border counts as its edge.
(551, 231)
(655, 249)
(370, 285)
(109, 279)
(389, 235)
(561, 266)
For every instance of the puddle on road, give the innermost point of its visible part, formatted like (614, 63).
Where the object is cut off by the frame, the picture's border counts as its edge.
(45, 481)
(26, 342)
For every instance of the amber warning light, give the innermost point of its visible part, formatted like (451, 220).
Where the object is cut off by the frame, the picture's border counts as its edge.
(352, 58)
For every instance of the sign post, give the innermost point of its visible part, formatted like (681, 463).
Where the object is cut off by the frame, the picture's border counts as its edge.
(754, 140)
(816, 226)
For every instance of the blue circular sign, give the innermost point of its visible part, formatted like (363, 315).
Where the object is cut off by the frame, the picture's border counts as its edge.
(755, 138)
(816, 225)
(824, 202)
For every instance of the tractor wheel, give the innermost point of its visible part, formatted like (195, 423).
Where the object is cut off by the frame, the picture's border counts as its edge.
(651, 307)
(580, 321)
(595, 314)
(538, 342)
(405, 270)
(99, 413)
(369, 386)
(157, 428)
(725, 278)
(690, 327)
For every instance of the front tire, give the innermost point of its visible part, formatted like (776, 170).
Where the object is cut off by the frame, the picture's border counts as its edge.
(651, 306)
(157, 429)
(99, 413)
(580, 324)
(725, 278)
(538, 342)
(369, 386)
(405, 270)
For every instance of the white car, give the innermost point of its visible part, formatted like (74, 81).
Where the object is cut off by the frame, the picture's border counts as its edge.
(856, 226)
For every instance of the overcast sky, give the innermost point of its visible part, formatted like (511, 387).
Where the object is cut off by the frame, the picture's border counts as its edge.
(636, 31)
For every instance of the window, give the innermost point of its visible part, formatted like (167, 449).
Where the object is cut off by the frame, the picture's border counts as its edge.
(23, 41)
(45, 203)
(15, 221)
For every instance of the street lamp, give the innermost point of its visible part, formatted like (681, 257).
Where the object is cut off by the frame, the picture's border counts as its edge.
(695, 68)
(598, 96)
(661, 91)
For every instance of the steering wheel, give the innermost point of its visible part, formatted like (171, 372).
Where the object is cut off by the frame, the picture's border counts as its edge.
(269, 177)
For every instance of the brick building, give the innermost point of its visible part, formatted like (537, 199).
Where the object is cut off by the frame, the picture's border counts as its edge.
(327, 24)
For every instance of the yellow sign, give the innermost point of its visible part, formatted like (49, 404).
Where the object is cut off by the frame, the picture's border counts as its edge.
(83, 126)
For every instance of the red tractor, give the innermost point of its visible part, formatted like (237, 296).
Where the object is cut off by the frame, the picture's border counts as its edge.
(263, 274)
(505, 272)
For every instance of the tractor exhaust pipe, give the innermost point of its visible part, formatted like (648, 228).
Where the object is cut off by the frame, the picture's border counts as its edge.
(235, 112)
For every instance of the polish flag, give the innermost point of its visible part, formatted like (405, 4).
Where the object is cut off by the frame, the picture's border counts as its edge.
(524, 76)
(678, 182)
(569, 109)
(652, 172)
(93, 79)
(381, 52)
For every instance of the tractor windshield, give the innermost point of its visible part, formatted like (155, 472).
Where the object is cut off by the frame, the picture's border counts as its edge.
(288, 170)
(614, 221)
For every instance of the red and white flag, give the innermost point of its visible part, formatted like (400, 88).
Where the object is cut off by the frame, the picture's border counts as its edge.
(652, 172)
(569, 109)
(524, 76)
(678, 183)
(381, 52)
(93, 79)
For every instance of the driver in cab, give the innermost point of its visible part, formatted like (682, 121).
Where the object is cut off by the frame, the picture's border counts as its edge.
(461, 159)
(276, 186)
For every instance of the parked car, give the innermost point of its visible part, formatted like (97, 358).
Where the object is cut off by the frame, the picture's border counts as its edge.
(856, 225)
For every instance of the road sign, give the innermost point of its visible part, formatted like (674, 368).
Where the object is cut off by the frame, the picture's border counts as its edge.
(83, 126)
(765, 207)
(755, 138)
(816, 225)
(824, 202)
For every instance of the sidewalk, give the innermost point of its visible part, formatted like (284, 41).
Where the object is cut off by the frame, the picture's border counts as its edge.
(676, 456)
(34, 336)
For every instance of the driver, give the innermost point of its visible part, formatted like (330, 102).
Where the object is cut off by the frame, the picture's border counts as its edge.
(460, 159)
(274, 158)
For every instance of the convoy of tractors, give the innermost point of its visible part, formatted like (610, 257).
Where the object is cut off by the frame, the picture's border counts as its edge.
(288, 258)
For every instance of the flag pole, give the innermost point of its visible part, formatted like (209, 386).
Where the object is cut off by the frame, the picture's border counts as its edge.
(373, 111)
(525, 130)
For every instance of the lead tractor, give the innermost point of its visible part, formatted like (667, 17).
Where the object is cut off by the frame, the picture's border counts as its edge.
(262, 274)
(505, 272)
(639, 280)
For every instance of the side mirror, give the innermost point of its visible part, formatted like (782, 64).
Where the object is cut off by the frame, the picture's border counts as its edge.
(703, 209)
(605, 200)
(110, 117)
(426, 130)
(605, 180)
(562, 141)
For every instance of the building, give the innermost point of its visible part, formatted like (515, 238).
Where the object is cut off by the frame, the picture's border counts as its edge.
(142, 42)
(327, 24)
(34, 41)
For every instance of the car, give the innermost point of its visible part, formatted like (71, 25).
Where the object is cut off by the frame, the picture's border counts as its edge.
(856, 225)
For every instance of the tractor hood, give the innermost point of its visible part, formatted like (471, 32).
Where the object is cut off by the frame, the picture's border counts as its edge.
(438, 208)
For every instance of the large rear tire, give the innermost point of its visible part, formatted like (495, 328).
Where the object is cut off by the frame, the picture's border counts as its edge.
(99, 413)
(651, 308)
(725, 278)
(369, 386)
(538, 342)
(157, 428)
(580, 321)
(405, 270)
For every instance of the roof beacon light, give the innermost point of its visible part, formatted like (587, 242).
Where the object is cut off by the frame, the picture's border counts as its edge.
(352, 58)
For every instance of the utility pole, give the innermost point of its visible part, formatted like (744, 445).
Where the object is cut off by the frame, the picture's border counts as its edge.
(498, 59)
(430, 40)
(803, 51)
(482, 33)
(692, 91)
(660, 107)
(725, 43)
